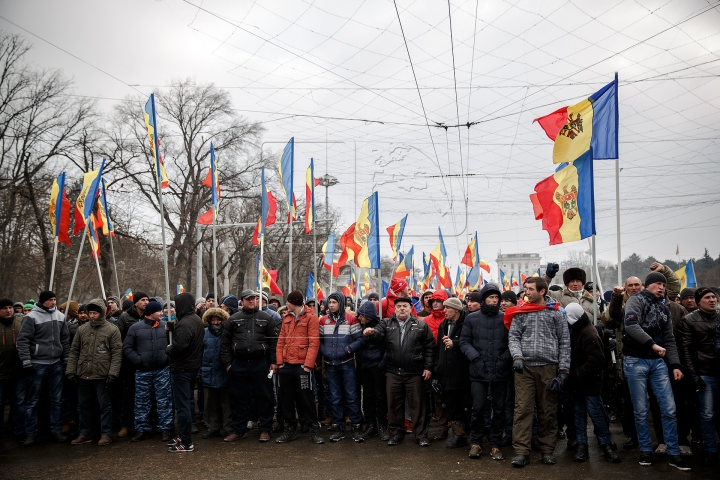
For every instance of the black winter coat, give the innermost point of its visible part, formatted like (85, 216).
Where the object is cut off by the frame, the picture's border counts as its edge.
(127, 320)
(696, 337)
(186, 350)
(587, 358)
(484, 341)
(417, 351)
(370, 354)
(248, 335)
(452, 366)
(144, 346)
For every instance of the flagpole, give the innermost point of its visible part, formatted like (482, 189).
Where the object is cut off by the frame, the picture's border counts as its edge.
(198, 263)
(162, 233)
(617, 181)
(317, 302)
(52, 270)
(290, 252)
(261, 267)
(215, 290)
(595, 283)
(117, 280)
(102, 285)
(77, 264)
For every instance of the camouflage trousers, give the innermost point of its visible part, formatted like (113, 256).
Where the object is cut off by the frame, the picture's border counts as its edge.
(148, 385)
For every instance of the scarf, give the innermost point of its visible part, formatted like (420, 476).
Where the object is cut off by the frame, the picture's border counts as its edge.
(434, 320)
(526, 308)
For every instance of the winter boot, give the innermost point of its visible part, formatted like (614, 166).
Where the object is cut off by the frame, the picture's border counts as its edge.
(581, 453)
(384, 434)
(610, 451)
(288, 436)
(357, 435)
(370, 431)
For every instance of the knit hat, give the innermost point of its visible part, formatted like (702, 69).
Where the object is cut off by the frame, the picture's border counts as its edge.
(28, 305)
(474, 297)
(295, 298)
(487, 290)
(397, 285)
(199, 300)
(687, 292)
(574, 311)
(231, 302)
(127, 305)
(403, 300)
(153, 307)
(574, 273)
(373, 295)
(655, 277)
(45, 296)
(137, 296)
(509, 296)
(265, 297)
(701, 292)
(93, 307)
(5, 302)
(73, 310)
(453, 302)
(209, 296)
(369, 311)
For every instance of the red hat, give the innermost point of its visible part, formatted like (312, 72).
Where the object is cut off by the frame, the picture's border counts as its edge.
(397, 285)
(439, 295)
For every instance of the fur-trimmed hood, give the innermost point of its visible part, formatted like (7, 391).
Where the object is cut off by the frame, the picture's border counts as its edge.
(214, 312)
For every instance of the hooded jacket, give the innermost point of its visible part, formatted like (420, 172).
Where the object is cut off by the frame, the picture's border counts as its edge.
(370, 354)
(484, 341)
(409, 354)
(186, 351)
(647, 322)
(145, 345)
(248, 335)
(96, 351)
(436, 317)
(44, 338)
(587, 358)
(340, 334)
(213, 371)
(10, 366)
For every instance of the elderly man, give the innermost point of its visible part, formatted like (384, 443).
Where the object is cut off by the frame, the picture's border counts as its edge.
(409, 355)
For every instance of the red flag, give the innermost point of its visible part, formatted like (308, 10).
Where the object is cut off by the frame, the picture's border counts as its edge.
(553, 122)
(79, 221)
(206, 218)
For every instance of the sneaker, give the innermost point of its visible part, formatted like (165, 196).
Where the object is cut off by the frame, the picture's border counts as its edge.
(475, 451)
(357, 435)
(676, 461)
(496, 454)
(316, 438)
(181, 447)
(234, 437)
(408, 427)
(81, 439)
(685, 451)
(288, 436)
(645, 459)
(384, 434)
(423, 442)
(264, 437)
(370, 431)
(29, 441)
(173, 442)
(661, 449)
(337, 436)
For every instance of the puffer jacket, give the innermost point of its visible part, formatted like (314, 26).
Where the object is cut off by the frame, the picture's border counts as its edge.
(145, 345)
(452, 366)
(697, 337)
(96, 351)
(299, 340)
(647, 322)
(248, 335)
(10, 366)
(417, 350)
(484, 341)
(185, 353)
(587, 358)
(370, 354)
(212, 371)
(340, 334)
(44, 337)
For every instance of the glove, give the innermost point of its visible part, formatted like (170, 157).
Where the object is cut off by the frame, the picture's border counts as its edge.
(611, 344)
(71, 377)
(563, 379)
(29, 370)
(699, 384)
(552, 270)
(518, 365)
(111, 379)
(169, 326)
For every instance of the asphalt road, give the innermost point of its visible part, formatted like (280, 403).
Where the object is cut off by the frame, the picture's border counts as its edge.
(303, 460)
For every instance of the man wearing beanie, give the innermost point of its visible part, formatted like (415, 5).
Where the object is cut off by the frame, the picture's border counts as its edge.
(409, 356)
(297, 350)
(94, 365)
(230, 304)
(127, 371)
(115, 311)
(687, 300)
(10, 367)
(648, 343)
(340, 338)
(247, 352)
(484, 341)
(145, 346)
(699, 339)
(43, 345)
(371, 366)
(508, 299)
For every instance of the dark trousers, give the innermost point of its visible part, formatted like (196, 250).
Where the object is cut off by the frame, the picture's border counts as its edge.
(184, 403)
(249, 377)
(295, 392)
(374, 395)
(217, 408)
(12, 392)
(686, 409)
(400, 387)
(498, 392)
(458, 405)
(531, 387)
(88, 392)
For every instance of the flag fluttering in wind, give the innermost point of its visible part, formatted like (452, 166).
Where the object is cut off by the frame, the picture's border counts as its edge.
(285, 172)
(313, 289)
(590, 124)
(523, 277)
(179, 289)
(514, 280)
(686, 275)
(367, 285)
(93, 237)
(310, 183)
(59, 210)
(473, 278)
(91, 184)
(349, 289)
(103, 213)
(212, 180)
(459, 282)
(505, 281)
(565, 201)
(405, 268)
(328, 250)
(151, 125)
(268, 209)
(396, 233)
(471, 257)
(128, 294)
(367, 234)
(266, 279)
(437, 257)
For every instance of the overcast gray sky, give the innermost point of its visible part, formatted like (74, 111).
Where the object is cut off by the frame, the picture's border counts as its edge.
(340, 71)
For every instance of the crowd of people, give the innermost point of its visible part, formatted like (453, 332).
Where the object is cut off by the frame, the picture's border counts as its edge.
(495, 367)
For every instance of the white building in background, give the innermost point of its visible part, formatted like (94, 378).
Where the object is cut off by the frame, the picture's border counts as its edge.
(519, 263)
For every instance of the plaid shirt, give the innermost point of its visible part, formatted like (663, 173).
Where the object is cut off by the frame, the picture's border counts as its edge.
(541, 338)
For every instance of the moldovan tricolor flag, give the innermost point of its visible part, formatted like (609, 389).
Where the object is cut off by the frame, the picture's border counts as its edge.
(151, 125)
(59, 210)
(213, 181)
(686, 275)
(437, 257)
(310, 183)
(313, 289)
(103, 212)
(367, 234)
(592, 123)
(405, 268)
(92, 236)
(86, 199)
(396, 233)
(565, 201)
(266, 279)
(285, 172)
(268, 210)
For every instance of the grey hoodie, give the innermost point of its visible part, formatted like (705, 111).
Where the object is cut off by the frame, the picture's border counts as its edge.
(44, 338)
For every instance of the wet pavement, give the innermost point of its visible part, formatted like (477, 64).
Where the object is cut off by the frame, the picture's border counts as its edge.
(303, 460)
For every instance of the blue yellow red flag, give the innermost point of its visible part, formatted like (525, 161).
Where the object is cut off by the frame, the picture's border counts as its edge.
(59, 210)
(471, 257)
(438, 257)
(128, 294)
(473, 278)
(90, 187)
(93, 238)
(285, 172)
(151, 126)
(179, 289)
(328, 250)
(396, 233)
(265, 278)
(405, 267)
(686, 275)
(505, 281)
(310, 197)
(367, 234)
(107, 226)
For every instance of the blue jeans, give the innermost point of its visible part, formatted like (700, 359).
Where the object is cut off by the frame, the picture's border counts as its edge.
(14, 392)
(709, 399)
(639, 372)
(184, 403)
(593, 406)
(343, 381)
(54, 375)
(145, 383)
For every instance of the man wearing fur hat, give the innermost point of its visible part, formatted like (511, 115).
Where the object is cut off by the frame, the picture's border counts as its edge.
(574, 279)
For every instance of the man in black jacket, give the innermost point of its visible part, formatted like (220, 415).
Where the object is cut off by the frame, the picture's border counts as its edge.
(247, 350)
(185, 356)
(409, 354)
